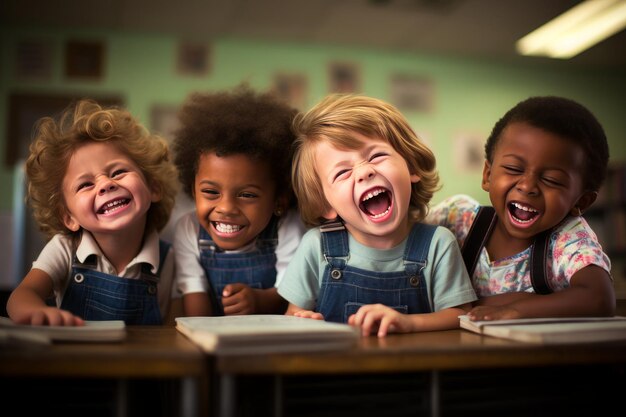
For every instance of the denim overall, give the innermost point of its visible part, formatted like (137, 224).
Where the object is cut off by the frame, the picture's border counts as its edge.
(257, 268)
(95, 295)
(346, 288)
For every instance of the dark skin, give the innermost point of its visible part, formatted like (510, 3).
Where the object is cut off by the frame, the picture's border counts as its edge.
(542, 173)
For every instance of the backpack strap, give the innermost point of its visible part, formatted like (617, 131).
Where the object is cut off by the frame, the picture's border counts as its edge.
(477, 236)
(538, 264)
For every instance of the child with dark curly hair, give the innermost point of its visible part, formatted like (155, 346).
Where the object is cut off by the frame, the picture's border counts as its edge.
(536, 256)
(234, 153)
(101, 187)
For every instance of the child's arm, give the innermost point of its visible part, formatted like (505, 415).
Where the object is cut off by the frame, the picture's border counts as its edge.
(27, 304)
(241, 299)
(294, 310)
(380, 319)
(197, 304)
(590, 294)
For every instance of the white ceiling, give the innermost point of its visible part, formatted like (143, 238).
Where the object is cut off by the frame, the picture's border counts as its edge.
(468, 28)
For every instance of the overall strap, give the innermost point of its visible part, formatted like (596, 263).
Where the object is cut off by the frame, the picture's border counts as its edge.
(477, 236)
(417, 247)
(334, 241)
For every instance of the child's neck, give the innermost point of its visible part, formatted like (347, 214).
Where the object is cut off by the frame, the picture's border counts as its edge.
(382, 241)
(502, 245)
(122, 246)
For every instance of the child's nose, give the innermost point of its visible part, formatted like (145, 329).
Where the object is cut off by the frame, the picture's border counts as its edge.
(364, 172)
(106, 186)
(227, 205)
(528, 184)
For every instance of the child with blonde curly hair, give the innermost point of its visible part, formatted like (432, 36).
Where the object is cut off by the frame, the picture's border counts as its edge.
(101, 187)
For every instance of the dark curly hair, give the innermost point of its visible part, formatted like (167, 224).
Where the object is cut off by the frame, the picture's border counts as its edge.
(569, 120)
(236, 122)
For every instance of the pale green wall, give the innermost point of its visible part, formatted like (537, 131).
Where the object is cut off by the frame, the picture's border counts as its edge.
(470, 94)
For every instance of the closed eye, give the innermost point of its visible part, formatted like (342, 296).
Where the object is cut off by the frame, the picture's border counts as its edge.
(512, 169)
(83, 185)
(340, 173)
(118, 172)
(248, 195)
(378, 155)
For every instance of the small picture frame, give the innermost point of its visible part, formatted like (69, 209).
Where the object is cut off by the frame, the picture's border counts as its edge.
(194, 59)
(411, 93)
(33, 60)
(164, 121)
(292, 88)
(84, 59)
(344, 77)
(469, 152)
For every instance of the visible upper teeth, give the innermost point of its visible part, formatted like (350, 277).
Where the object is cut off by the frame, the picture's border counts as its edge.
(227, 228)
(372, 194)
(111, 205)
(519, 206)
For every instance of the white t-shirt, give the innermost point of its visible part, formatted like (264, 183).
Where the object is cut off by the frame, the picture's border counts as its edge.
(191, 276)
(57, 256)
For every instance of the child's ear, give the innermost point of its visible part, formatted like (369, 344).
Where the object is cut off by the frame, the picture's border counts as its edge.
(281, 206)
(415, 178)
(486, 175)
(584, 202)
(70, 222)
(156, 193)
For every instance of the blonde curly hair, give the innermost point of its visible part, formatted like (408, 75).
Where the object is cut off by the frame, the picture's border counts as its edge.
(55, 141)
(334, 119)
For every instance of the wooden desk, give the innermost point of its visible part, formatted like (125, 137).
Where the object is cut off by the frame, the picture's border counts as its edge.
(148, 353)
(440, 368)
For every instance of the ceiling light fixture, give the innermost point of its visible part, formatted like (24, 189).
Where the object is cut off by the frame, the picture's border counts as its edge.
(576, 30)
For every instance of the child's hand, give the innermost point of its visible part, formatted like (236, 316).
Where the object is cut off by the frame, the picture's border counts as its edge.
(380, 319)
(238, 299)
(308, 314)
(493, 313)
(51, 316)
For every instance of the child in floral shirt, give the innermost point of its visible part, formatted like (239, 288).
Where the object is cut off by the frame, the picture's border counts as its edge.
(545, 161)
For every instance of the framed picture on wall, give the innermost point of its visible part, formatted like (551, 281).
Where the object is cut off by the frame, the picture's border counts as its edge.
(344, 77)
(84, 59)
(291, 87)
(193, 59)
(164, 120)
(412, 93)
(469, 152)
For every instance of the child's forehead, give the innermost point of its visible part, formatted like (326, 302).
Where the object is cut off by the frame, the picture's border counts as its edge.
(236, 158)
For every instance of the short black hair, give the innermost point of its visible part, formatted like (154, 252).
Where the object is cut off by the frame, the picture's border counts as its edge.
(569, 120)
(240, 121)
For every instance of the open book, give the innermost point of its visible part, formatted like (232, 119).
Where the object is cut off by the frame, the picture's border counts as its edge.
(92, 331)
(265, 333)
(551, 330)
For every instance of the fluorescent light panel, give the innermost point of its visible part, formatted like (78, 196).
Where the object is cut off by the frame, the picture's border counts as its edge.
(576, 30)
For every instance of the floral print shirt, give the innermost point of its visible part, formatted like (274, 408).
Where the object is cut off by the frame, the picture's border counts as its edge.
(573, 246)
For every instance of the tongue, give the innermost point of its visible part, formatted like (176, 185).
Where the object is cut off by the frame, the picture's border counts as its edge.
(522, 214)
(377, 205)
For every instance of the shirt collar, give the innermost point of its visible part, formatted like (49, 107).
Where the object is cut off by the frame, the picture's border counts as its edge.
(149, 252)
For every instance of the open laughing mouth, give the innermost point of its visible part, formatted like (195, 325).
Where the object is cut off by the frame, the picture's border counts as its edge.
(376, 203)
(522, 214)
(113, 206)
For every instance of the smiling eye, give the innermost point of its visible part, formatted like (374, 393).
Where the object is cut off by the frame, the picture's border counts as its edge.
(248, 195)
(83, 185)
(377, 155)
(512, 169)
(118, 172)
(340, 173)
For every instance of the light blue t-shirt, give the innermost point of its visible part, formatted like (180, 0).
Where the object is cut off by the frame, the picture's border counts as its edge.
(447, 281)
